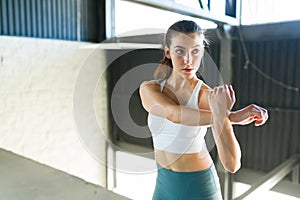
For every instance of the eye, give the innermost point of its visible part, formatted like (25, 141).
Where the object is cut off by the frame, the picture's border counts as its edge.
(180, 52)
(196, 51)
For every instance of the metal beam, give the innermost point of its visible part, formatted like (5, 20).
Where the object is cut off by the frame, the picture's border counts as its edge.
(226, 181)
(186, 10)
(223, 33)
(295, 175)
(78, 20)
(110, 23)
(272, 178)
(228, 186)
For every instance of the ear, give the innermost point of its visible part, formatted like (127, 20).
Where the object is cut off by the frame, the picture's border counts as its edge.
(167, 52)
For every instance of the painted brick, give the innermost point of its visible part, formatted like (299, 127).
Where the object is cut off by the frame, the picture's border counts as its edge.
(37, 78)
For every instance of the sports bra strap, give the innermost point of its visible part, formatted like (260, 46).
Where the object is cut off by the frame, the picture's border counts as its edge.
(162, 84)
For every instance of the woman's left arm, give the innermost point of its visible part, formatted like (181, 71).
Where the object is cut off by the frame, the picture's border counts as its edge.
(244, 116)
(221, 100)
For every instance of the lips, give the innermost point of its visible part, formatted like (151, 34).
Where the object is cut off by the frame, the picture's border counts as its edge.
(188, 69)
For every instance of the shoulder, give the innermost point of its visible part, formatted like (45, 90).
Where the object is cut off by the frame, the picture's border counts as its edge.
(203, 96)
(152, 85)
(149, 84)
(205, 88)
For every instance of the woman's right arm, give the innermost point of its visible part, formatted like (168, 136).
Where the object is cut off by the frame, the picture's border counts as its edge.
(249, 114)
(157, 103)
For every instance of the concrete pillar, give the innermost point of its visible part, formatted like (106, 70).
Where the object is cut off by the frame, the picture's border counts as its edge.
(223, 32)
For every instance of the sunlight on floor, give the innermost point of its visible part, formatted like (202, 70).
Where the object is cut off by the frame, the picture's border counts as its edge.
(137, 186)
(240, 188)
(140, 186)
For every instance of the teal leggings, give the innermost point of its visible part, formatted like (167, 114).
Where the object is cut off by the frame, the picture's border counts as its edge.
(200, 185)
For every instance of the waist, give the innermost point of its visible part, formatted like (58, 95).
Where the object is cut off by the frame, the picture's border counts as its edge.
(183, 162)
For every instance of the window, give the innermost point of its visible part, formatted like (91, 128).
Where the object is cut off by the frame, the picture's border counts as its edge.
(147, 20)
(269, 11)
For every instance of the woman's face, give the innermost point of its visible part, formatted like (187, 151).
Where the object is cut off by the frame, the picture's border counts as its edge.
(186, 51)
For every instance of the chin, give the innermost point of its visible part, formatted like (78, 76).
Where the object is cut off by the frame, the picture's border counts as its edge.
(189, 76)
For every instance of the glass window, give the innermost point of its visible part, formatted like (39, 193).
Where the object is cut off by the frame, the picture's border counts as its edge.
(269, 11)
(147, 20)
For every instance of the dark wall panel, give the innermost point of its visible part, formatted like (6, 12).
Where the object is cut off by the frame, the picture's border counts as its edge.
(131, 59)
(54, 19)
(278, 57)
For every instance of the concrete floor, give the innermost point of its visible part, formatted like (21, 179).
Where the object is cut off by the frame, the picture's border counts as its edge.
(24, 179)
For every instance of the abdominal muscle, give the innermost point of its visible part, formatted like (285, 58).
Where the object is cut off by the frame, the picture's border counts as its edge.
(183, 162)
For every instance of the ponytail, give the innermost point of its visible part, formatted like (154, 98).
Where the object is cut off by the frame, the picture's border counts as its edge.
(164, 69)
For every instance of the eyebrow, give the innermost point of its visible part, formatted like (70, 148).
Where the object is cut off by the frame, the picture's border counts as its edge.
(178, 46)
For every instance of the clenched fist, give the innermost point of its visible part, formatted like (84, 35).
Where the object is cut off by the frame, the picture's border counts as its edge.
(221, 100)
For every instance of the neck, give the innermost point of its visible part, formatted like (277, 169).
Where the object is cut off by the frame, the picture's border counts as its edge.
(176, 81)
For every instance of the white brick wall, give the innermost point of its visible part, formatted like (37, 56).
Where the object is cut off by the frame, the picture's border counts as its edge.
(37, 78)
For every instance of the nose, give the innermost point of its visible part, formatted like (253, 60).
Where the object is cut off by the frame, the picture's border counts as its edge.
(187, 58)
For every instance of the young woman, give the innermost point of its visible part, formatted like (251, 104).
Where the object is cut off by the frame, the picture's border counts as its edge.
(180, 108)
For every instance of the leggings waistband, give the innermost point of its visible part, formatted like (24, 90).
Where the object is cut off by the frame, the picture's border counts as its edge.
(159, 167)
(203, 184)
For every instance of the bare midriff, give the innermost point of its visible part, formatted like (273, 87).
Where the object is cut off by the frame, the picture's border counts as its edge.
(183, 162)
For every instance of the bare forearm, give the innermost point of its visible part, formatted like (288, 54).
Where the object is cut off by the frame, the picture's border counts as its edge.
(227, 144)
(189, 116)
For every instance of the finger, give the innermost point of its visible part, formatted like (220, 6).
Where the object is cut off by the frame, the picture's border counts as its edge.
(261, 118)
(232, 93)
(264, 113)
(255, 113)
(258, 123)
(219, 90)
(265, 116)
(228, 95)
(215, 90)
(209, 94)
(227, 90)
(230, 90)
(223, 93)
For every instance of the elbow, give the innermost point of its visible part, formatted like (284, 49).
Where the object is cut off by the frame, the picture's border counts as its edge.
(234, 165)
(172, 115)
(233, 168)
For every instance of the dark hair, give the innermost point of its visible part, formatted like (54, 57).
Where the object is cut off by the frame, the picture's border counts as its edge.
(164, 69)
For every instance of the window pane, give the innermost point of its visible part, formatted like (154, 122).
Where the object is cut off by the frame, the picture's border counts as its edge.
(135, 19)
(269, 11)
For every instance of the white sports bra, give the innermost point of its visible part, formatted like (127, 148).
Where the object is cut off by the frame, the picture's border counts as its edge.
(178, 138)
